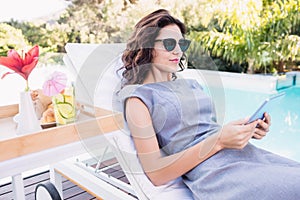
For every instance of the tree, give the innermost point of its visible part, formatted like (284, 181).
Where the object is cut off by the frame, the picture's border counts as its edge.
(94, 21)
(11, 38)
(255, 33)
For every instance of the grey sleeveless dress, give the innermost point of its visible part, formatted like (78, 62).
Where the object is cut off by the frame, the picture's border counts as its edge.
(184, 115)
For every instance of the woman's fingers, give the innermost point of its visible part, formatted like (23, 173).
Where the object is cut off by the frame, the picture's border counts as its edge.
(267, 119)
(259, 134)
(245, 134)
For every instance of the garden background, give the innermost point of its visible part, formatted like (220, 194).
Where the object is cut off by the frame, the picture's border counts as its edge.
(243, 36)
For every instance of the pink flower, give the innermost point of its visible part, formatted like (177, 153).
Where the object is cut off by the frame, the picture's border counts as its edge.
(21, 66)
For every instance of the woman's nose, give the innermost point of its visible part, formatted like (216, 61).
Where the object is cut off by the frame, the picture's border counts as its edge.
(177, 49)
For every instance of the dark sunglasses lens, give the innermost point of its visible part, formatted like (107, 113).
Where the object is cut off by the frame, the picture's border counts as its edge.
(184, 44)
(169, 44)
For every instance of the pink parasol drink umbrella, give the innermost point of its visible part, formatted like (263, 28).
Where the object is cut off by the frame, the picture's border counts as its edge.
(55, 84)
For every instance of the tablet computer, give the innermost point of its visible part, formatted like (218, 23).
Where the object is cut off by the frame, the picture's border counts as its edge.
(266, 106)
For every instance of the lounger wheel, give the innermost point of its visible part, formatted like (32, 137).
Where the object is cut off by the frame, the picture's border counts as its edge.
(46, 191)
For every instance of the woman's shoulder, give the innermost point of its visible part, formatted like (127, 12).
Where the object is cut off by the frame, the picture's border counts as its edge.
(139, 91)
(188, 83)
(175, 83)
(155, 88)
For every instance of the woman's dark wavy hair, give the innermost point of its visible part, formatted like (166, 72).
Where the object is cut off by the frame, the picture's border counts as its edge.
(137, 57)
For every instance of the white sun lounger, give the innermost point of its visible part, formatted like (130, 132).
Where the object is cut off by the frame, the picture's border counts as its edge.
(95, 65)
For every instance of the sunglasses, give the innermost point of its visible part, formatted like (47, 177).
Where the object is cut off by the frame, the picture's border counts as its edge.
(170, 44)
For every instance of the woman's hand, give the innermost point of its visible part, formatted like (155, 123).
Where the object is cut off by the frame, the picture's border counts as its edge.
(262, 127)
(236, 134)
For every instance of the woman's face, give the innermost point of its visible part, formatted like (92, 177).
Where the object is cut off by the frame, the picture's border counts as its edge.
(163, 60)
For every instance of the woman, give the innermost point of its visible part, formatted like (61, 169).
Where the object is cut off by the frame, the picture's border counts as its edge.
(176, 117)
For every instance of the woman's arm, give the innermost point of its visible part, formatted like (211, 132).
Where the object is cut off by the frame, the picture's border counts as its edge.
(161, 169)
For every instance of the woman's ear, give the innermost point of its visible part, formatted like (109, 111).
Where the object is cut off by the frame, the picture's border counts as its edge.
(154, 53)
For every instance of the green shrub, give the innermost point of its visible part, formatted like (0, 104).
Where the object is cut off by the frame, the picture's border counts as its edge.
(11, 38)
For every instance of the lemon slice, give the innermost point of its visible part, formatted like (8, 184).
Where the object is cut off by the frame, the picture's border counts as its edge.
(69, 99)
(66, 110)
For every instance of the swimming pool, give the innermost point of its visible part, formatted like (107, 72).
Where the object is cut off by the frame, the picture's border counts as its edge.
(237, 96)
(284, 135)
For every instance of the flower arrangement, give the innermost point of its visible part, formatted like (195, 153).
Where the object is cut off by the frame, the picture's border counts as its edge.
(21, 64)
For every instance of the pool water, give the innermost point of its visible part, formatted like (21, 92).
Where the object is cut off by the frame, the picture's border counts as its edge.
(284, 135)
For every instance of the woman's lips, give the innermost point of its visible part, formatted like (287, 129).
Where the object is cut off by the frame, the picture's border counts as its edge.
(175, 60)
